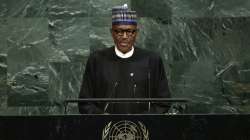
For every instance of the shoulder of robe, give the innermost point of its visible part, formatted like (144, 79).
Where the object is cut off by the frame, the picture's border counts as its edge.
(101, 53)
(149, 53)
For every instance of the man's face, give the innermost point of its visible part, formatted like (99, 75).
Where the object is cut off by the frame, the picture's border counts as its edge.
(124, 36)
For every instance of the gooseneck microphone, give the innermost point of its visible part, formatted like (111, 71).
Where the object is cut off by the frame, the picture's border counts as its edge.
(149, 89)
(113, 94)
(132, 75)
(134, 90)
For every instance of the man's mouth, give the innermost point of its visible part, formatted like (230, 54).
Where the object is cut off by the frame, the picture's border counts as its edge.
(123, 43)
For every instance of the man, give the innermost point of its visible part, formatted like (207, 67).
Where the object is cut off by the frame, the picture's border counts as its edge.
(124, 71)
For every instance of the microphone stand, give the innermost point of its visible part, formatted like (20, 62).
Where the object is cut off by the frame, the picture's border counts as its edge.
(112, 94)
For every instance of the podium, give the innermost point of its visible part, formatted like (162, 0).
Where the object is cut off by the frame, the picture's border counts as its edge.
(183, 101)
(126, 127)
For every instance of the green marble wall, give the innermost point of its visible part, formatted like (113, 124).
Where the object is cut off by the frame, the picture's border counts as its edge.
(44, 45)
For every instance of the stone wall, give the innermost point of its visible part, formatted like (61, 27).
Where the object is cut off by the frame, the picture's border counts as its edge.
(44, 45)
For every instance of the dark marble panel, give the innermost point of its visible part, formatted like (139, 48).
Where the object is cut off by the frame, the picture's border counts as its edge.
(23, 8)
(28, 51)
(232, 49)
(210, 8)
(195, 8)
(159, 10)
(3, 35)
(231, 8)
(68, 29)
(28, 110)
(68, 8)
(230, 39)
(100, 35)
(25, 34)
(102, 8)
(3, 82)
(3, 74)
(29, 87)
(65, 81)
(68, 36)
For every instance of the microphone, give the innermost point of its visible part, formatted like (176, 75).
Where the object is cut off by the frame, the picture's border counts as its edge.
(149, 89)
(111, 96)
(134, 85)
(134, 90)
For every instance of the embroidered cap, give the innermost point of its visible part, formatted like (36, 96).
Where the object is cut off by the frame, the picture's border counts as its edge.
(122, 15)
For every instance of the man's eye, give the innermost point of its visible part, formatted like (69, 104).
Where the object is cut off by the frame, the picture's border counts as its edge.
(129, 31)
(118, 31)
(121, 32)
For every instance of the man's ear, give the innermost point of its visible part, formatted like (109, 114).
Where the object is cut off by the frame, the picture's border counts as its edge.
(137, 28)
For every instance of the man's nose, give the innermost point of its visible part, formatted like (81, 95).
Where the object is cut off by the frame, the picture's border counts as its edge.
(124, 35)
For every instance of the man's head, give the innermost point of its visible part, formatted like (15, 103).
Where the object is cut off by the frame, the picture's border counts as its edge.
(124, 28)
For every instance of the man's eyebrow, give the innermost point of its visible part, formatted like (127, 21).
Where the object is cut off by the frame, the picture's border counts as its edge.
(125, 28)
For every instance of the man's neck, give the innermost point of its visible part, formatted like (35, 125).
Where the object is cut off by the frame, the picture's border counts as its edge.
(124, 55)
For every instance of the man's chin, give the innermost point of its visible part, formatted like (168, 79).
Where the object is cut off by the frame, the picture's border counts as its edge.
(124, 49)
